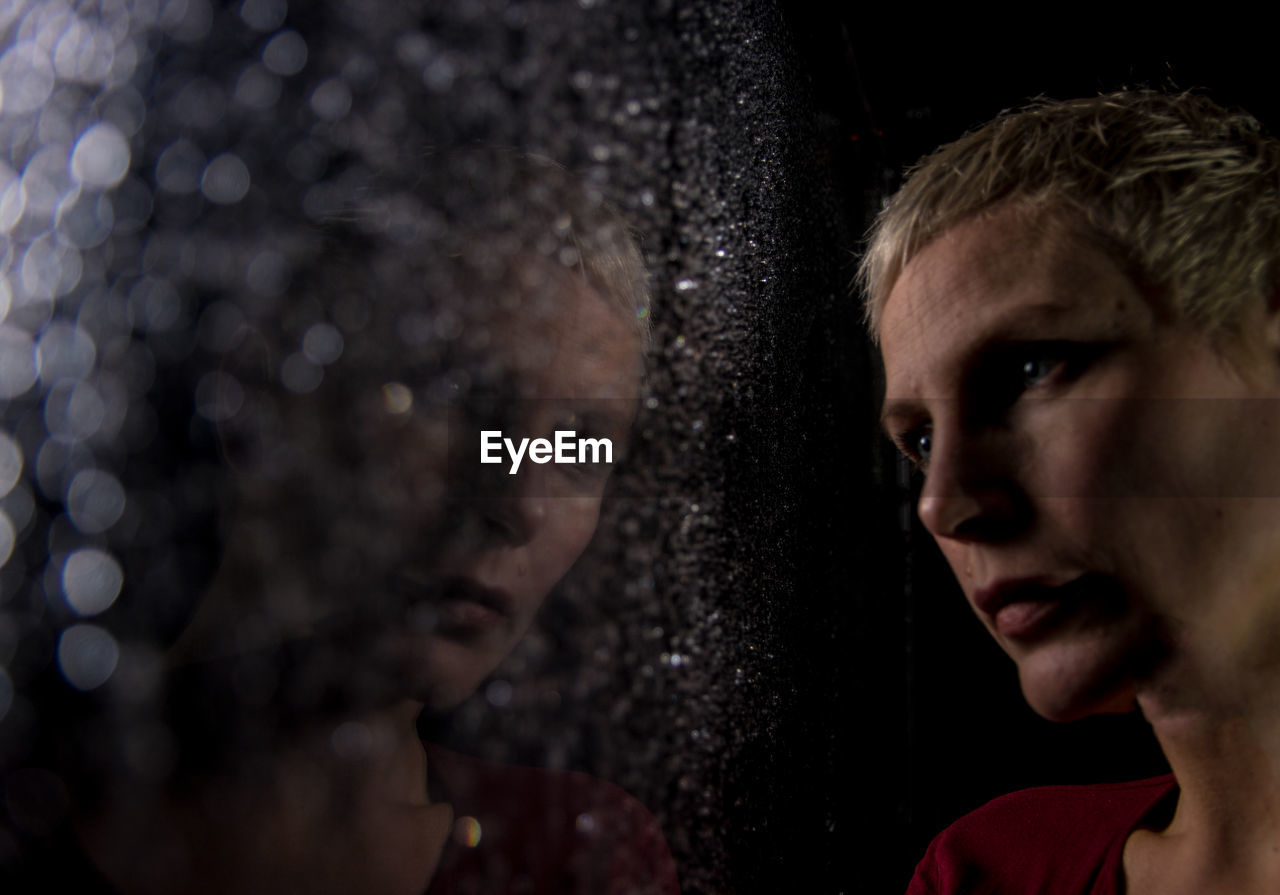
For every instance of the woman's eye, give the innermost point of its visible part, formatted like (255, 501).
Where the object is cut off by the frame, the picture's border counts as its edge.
(916, 445)
(1036, 370)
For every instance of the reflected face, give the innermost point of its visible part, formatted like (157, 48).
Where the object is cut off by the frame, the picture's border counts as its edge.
(1100, 477)
(578, 368)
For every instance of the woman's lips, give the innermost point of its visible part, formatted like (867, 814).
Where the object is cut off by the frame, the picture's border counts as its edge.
(1026, 609)
(459, 606)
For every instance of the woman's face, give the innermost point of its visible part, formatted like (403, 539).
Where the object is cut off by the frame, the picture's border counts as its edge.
(1101, 478)
(576, 368)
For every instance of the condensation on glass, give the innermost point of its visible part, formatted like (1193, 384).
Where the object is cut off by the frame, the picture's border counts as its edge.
(270, 274)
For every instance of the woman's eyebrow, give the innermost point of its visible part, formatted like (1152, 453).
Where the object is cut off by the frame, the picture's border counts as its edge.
(899, 413)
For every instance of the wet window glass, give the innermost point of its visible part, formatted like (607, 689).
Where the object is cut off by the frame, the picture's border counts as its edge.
(421, 431)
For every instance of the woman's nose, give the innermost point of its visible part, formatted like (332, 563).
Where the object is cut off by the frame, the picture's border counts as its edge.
(971, 491)
(515, 516)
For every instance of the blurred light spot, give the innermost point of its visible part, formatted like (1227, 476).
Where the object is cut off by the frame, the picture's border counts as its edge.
(225, 180)
(686, 285)
(440, 74)
(219, 396)
(10, 463)
(50, 268)
(466, 831)
(73, 411)
(8, 537)
(13, 198)
(26, 78)
(200, 103)
(153, 304)
(19, 506)
(263, 15)
(322, 344)
(64, 351)
(95, 500)
(91, 581)
(87, 656)
(187, 20)
(126, 109)
(101, 156)
(56, 462)
(123, 65)
(447, 324)
(17, 362)
(285, 54)
(132, 204)
(299, 375)
(351, 741)
(85, 219)
(267, 274)
(257, 88)
(180, 167)
(6, 693)
(397, 398)
(331, 100)
(498, 693)
(585, 823)
(83, 53)
(413, 49)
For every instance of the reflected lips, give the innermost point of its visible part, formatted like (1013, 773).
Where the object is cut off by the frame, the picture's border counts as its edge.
(467, 607)
(1026, 609)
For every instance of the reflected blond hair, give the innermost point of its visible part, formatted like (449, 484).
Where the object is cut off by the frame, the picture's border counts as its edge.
(1184, 194)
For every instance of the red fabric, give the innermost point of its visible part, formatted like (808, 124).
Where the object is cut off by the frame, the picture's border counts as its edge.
(546, 832)
(1055, 840)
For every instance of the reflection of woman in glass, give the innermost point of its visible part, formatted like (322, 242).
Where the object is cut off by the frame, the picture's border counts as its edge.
(374, 566)
(1077, 308)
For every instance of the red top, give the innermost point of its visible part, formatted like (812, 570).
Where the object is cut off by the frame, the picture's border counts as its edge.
(1054, 840)
(545, 832)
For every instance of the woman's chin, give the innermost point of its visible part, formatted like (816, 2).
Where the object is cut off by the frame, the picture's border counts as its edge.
(1065, 688)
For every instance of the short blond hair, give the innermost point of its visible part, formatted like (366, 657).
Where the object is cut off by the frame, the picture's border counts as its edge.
(1183, 193)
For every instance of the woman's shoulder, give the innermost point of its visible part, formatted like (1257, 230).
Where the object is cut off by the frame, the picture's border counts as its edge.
(1050, 839)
